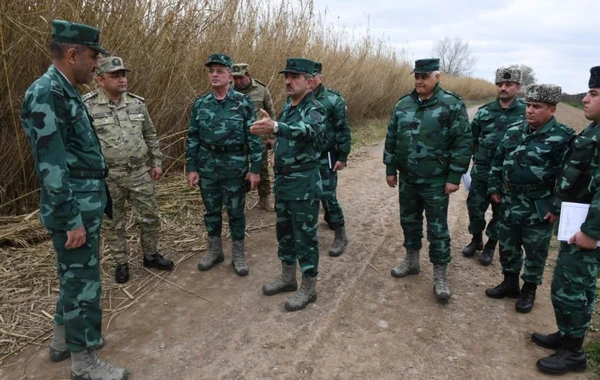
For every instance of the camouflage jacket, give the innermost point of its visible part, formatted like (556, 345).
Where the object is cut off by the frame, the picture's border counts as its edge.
(222, 125)
(428, 141)
(68, 157)
(337, 135)
(297, 149)
(488, 128)
(125, 130)
(258, 92)
(524, 169)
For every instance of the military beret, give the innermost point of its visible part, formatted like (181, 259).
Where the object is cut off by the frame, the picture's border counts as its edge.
(423, 66)
(240, 69)
(299, 66)
(110, 65)
(510, 74)
(546, 93)
(79, 34)
(219, 59)
(594, 77)
(318, 67)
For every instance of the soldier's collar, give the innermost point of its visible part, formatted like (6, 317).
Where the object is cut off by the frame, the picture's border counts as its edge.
(66, 85)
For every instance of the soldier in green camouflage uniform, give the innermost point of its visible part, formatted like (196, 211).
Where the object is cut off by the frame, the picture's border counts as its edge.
(298, 186)
(336, 143)
(488, 127)
(73, 196)
(219, 145)
(522, 178)
(261, 97)
(574, 281)
(129, 143)
(429, 142)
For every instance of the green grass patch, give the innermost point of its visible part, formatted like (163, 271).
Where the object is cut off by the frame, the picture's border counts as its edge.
(369, 132)
(576, 104)
(592, 350)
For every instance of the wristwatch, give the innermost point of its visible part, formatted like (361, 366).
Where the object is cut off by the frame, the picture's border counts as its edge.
(275, 127)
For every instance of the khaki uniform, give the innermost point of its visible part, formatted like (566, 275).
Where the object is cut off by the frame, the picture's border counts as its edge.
(130, 145)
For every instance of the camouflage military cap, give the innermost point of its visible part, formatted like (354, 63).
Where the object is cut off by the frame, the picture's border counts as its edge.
(110, 65)
(219, 59)
(428, 65)
(79, 34)
(240, 69)
(504, 74)
(299, 66)
(545, 93)
(318, 67)
(594, 77)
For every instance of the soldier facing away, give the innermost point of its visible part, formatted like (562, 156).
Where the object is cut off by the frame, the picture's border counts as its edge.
(131, 149)
(219, 148)
(488, 128)
(335, 147)
(298, 186)
(429, 143)
(261, 97)
(73, 196)
(573, 289)
(522, 180)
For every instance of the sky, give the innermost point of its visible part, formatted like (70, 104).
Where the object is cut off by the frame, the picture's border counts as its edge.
(560, 40)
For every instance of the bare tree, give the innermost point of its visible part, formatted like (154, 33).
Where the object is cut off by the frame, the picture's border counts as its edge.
(527, 74)
(455, 56)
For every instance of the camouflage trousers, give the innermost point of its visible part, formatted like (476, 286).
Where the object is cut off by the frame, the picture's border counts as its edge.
(431, 198)
(478, 202)
(332, 207)
(78, 303)
(297, 234)
(534, 239)
(264, 186)
(573, 289)
(230, 193)
(135, 186)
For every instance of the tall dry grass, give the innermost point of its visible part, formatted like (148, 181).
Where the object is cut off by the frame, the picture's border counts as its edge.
(166, 43)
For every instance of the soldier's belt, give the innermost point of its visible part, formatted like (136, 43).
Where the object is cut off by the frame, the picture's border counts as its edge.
(87, 173)
(524, 189)
(224, 148)
(288, 169)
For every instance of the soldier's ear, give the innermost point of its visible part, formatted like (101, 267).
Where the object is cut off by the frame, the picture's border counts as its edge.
(72, 55)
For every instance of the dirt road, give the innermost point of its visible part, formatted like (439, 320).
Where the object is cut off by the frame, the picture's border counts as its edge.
(365, 324)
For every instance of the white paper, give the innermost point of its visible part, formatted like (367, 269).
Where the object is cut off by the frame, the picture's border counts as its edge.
(572, 216)
(466, 178)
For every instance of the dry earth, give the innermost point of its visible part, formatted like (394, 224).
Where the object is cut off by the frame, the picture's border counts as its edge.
(365, 324)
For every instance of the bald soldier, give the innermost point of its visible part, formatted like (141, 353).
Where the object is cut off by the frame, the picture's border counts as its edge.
(130, 145)
(258, 92)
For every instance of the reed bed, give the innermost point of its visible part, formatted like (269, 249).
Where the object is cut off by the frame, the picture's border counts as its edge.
(166, 43)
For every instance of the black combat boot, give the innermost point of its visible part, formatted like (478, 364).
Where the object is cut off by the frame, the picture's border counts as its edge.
(487, 255)
(157, 261)
(122, 273)
(526, 298)
(570, 357)
(476, 244)
(552, 341)
(508, 288)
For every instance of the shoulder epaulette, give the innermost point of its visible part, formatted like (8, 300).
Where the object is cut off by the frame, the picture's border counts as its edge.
(136, 96)
(404, 96)
(486, 105)
(452, 93)
(89, 95)
(334, 91)
(259, 82)
(56, 87)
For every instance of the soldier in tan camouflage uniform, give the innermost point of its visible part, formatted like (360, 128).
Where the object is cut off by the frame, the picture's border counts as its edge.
(129, 143)
(261, 97)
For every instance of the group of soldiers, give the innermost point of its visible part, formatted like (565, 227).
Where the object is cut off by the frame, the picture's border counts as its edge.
(94, 153)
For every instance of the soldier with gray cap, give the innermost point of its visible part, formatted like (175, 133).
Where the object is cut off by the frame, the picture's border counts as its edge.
(258, 92)
(132, 152)
(488, 128)
(521, 180)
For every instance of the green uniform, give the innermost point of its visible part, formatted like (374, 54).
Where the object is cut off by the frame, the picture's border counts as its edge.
(298, 186)
(523, 171)
(573, 288)
(336, 142)
(71, 169)
(130, 146)
(219, 144)
(488, 128)
(261, 97)
(429, 143)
